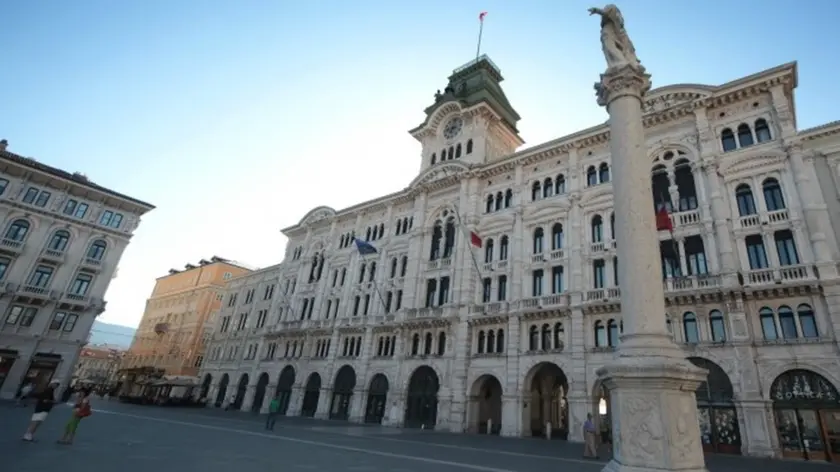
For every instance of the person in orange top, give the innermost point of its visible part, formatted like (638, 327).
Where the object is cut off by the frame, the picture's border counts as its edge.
(81, 409)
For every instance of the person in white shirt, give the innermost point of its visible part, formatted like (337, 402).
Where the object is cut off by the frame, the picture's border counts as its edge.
(24, 394)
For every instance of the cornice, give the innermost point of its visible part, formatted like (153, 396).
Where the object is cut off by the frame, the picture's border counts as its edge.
(818, 132)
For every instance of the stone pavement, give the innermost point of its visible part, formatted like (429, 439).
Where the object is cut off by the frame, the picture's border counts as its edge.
(135, 438)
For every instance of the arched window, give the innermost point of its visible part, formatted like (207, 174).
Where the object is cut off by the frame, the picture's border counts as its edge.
(600, 334)
(744, 199)
(533, 338)
(500, 340)
(745, 137)
(807, 321)
(403, 266)
(441, 346)
(604, 173)
(469, 146)
(538, 241)
(450, 153)
(503, 248)
(762, 131)
(427, 347)
(508, 198)
(481, 342)
(560, 185)
(488, 250)
(787, 323)
(558, 335)
(612, 226)
(381, 229)
(434, 158)
(536, 190)
(367, 234)
(727, 140)
(591, 176)
(415, 344)
(96, 251)
(399, 227)
(716, 326)
(499, 201)
(612, 333)
(372, 272)
(773, 198)
(362, 272)
(17, 230)
(59, 241)
(597, 229)
(393, 267)
(489, 205)
(449, 238)
(557, 236)
(548, 187)
(491, 341)
(690, 330)
(546, 337)
(458, 151)
(768, 324)
(437, 236)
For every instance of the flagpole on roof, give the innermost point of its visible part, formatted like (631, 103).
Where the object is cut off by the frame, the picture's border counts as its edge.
(480, 32)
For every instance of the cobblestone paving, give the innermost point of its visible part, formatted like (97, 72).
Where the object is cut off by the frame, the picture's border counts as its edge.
(134, 439)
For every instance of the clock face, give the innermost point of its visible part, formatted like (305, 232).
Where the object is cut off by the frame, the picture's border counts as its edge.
(453, 127)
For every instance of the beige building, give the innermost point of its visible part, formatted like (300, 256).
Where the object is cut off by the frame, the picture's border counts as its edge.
(492, 297)
(171, 335)
(97, 366)
(62, 239)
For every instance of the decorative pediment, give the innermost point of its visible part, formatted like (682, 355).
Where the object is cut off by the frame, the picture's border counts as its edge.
(556, 210)
(673, 95)
(440, 172)
(743, 163)
(600, 195)
(316, 215)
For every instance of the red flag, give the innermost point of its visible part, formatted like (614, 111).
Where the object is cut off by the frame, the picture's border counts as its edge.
(482, 15)
(663, 220)
(475, 239)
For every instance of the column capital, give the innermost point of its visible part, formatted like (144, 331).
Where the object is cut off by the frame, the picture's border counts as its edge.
(628, 80)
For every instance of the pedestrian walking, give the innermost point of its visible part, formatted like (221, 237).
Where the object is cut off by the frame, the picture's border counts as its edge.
(24, 393)
(273, 408)
(81, 409)
(590, 448)
(44, 402)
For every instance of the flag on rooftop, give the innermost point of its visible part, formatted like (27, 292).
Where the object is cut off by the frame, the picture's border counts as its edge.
(482, 15)
(364, 247)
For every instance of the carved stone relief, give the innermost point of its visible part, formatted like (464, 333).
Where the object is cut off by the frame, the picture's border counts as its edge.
(641, 434)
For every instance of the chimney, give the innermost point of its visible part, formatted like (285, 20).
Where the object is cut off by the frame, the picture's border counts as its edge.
(3, 144)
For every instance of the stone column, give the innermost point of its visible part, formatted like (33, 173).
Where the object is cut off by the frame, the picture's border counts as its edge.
(651, 384)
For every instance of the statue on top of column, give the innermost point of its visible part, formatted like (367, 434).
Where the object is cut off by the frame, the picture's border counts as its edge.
(615, 42)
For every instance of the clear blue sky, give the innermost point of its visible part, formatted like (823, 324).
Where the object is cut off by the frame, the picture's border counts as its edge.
(237, 117)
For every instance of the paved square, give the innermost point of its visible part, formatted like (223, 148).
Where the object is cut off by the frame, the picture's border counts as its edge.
(133, 439)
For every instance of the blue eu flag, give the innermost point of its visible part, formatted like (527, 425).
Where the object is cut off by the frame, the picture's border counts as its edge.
(364, 247)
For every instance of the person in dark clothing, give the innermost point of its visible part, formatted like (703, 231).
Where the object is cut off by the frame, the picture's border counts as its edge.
(44, 401)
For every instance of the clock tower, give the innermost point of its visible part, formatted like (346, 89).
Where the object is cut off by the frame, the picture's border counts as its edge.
(471, 121)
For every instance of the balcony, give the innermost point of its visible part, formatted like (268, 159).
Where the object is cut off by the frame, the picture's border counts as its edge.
(682, 219)
(557, 254)
(603, 294)
(11, 246)
(92, 264)
(52, 255)
(554, 301)
(35, 291)
(442, 263)
(765, 218)
(690, 283)
(782, 275)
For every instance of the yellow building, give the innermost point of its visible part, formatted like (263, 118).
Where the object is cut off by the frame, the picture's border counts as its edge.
(171, 334)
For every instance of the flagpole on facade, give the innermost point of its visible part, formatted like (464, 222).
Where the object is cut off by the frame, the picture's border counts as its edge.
(365, 249)
(480, 32)
(669, 225)
(376, 288)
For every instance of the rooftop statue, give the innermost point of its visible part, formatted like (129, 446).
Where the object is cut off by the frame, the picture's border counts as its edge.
(616, 44)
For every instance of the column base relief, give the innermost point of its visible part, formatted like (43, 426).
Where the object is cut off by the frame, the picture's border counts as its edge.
(655, 413)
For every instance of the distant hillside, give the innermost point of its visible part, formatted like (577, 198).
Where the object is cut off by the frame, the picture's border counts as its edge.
(116, 335)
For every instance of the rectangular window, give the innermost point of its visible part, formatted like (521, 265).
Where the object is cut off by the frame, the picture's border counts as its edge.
(756, 254)
(443, 292)
(31, 195)
(70, 322)
(3, 185)
(116, 221)
(81, 284)
(431, 291)
(57, 321)
(41, 276)
(4, 266)
(398, 305)
(367, 304)
(486, 289)
(14, 314)
(502, 288)
(389, 298)
(43, 199)
(598, 274)
(356, 301)
(106, 217)
(557, 279)
(537, 283)
(70, 207)
(786, 248)
(81, 210)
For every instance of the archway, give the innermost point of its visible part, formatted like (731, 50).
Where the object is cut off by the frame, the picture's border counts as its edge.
(602, 408)
(719, 429)
(223, 385)
(259, 393)
(807, 411)
(345, 382)
(284, 388)
(205, 386)
(311, 394)
(377, 398)
(547, 413)
(421, 399)
(486, 405)
(241, 390)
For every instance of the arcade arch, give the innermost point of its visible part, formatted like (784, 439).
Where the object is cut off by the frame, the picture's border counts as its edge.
(806, 407)
(485, 407)
(421, 400)
(223, 385)
(377, 399)
(241, 390)
(311, 395)
(285, 383)
(259, 393)
(345, 382)
(546, 412)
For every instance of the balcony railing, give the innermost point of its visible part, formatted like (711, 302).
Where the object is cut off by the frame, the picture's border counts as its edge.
(781, 275)
(769, 217)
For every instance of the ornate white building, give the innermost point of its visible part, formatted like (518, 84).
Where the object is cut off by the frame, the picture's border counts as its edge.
(62, 239)
(433, 331)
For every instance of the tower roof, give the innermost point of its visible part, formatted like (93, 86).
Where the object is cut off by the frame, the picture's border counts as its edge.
(475, 82)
